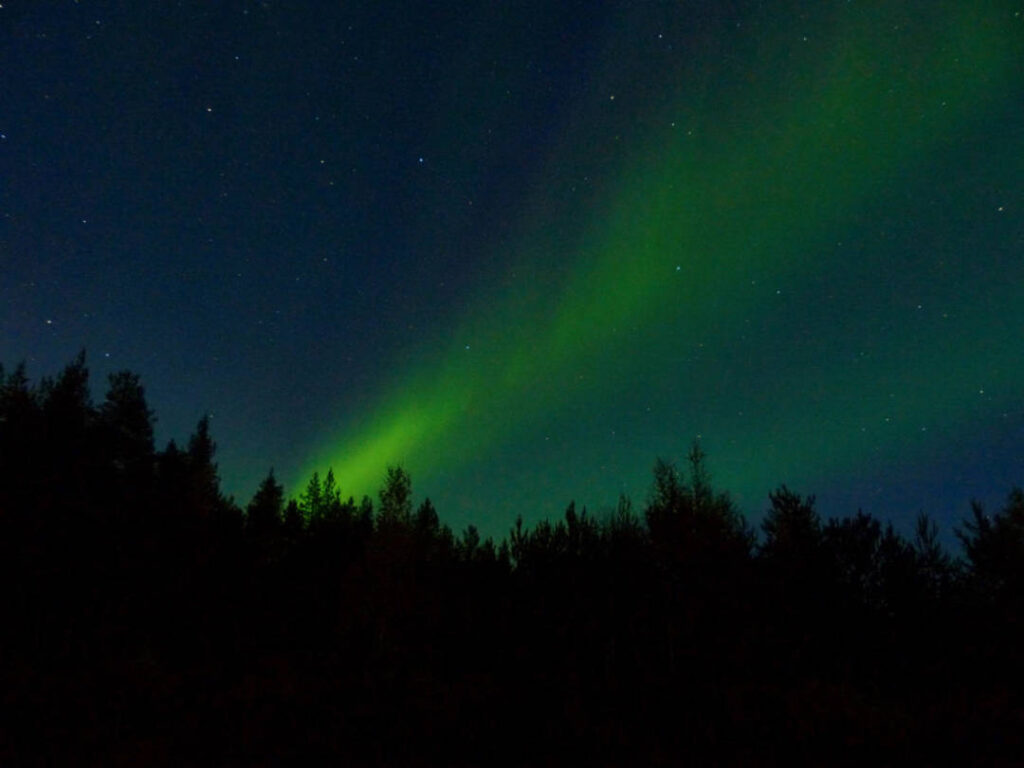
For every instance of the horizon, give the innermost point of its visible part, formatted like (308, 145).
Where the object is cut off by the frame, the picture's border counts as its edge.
(552, 511)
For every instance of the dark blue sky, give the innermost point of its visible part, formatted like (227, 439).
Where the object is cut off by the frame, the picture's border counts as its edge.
(290, 218)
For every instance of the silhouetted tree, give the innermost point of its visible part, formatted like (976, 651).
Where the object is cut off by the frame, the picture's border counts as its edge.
(691, 523)
(625, 540)
(67, 404)
(426, 523)
(875, 567)
(935, 567)
(172, 475)
(581, 533)
(395, 498)
(792, 528)
(21, 435)
(127, 421)
(994, 546)
(312, 500)
(124, 428)
(668, 498)
(264, 514)
(898, 575)
(330, 497)
(67, 418)
(469, 543)
(203, 480)
(624, 520)
(189, 487)
(795, 561)
(364, 515)
(294, 521)
(853, 549)
(18, 403)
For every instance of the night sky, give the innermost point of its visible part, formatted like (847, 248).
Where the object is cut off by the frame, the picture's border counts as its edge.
(526, 247)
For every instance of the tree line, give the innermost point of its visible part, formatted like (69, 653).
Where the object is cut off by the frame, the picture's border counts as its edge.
(149, 619)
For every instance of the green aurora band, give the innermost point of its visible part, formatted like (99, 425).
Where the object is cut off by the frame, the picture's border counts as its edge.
(711, 226)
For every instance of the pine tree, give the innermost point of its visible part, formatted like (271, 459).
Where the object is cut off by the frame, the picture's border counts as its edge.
(427, 523)
(935, 568)
(312, 500)
(995, 550)
(127, 420)
(68, 415)
(691, 522)
(294, 521)
(395, 498)
(21, 441)
(203, 485)
(792, 528)
(125, 436)
(264, 513)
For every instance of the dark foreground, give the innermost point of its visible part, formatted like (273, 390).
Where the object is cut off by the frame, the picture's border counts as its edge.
(146, 620)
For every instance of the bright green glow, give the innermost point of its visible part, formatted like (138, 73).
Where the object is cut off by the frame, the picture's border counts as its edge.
(756, 195)
(382, 443)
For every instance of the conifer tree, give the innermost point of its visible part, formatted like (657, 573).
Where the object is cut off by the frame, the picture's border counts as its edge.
(311, 501)
(395, 498)
(264, 512)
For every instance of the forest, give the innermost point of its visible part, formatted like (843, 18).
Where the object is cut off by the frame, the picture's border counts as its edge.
(150, 620)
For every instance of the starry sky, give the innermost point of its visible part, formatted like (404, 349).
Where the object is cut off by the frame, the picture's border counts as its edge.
(524, 248)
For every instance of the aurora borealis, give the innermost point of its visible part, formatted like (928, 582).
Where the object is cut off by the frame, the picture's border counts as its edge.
(524, 251)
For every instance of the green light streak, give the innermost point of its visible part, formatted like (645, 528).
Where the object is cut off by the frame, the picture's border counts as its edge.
(755, 195)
